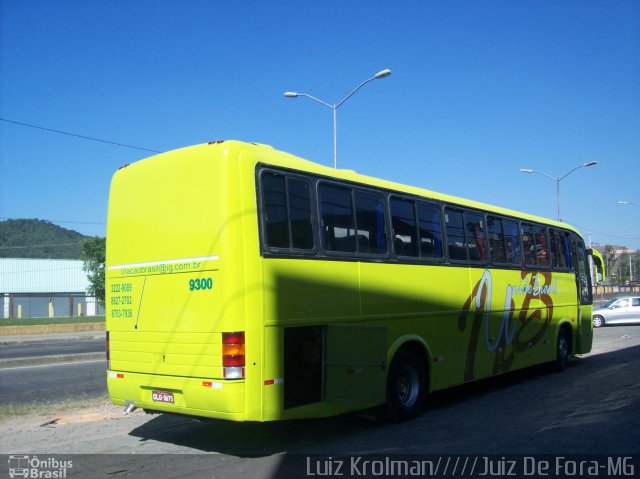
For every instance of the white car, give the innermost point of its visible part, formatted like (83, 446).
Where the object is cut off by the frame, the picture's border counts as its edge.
(623, 310)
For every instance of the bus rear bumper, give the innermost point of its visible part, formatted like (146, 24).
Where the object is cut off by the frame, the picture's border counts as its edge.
(218, 399)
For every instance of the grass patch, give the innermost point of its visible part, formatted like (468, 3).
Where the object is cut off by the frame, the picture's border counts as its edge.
(39, 321)
(39, 408)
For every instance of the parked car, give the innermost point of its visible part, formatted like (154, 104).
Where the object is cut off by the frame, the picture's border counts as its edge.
(618, 311)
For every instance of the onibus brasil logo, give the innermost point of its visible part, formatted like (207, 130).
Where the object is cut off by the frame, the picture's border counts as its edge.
(33, 467)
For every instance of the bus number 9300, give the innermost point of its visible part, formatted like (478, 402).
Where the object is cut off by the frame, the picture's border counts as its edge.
(200, 284)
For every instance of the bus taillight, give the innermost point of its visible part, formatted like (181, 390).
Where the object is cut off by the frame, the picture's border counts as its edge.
(108, 351)
(233, 355)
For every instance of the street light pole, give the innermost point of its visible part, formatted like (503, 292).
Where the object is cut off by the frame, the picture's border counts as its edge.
(558, 179)
(630, 270)
(291, 94)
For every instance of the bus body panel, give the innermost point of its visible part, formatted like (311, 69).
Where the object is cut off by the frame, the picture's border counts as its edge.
(185, 264)
(191, 395)
(175, 279)
(491, 326)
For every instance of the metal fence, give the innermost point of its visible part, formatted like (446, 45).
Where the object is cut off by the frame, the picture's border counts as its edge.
(48, 306)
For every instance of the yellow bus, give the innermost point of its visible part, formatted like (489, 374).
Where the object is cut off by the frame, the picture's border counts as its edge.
(247, 284)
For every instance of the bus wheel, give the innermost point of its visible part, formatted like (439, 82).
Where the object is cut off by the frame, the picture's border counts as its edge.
(598, 321)
(406, 386)
(563, 350)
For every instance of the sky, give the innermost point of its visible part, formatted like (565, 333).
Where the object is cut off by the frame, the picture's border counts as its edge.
(479, 90)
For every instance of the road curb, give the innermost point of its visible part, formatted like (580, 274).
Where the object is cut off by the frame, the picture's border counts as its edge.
(53, 359)
(8, 331)
(73, 336)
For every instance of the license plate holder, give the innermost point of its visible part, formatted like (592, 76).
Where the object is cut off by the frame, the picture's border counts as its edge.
(162, 396)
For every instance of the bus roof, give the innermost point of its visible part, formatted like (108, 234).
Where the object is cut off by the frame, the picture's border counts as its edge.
(260, 153)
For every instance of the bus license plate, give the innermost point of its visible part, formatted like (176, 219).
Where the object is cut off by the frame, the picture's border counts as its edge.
(162, 396)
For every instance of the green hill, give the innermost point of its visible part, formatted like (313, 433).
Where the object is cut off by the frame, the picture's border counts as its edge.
(38, 239)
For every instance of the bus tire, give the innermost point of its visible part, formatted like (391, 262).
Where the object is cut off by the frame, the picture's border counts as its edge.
(563, 350)
(406, 386)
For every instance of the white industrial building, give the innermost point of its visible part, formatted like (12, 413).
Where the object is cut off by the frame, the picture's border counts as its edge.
(35, 288)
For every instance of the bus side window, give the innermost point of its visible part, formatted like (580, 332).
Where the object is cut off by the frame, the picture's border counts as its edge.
(403, 222)
(564, 247)
(512, 242)
(561, 250)
(455, 235)
(475, 237)
(553, 249)
(287, 216)
(584, 278)
(429, 231)
(496, 239)
(300, 214)
(370, 224)
(542, 246)
(338, 222)
(573, 258)
(275, 210)
(528, 244)
(558, 245)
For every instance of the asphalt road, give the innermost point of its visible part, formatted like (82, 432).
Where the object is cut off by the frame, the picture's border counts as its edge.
(28, 348)
(53, 383)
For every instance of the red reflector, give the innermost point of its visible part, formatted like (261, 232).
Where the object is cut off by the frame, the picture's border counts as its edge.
(206, 384)
(120, 376)
(233, 338)
(232, 361)
(269, 382)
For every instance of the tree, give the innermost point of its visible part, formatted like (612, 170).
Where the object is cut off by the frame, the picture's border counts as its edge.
(610, 259)
(93, 256)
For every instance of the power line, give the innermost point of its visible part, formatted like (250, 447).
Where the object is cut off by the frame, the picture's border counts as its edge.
(591, 230)
(78, 136)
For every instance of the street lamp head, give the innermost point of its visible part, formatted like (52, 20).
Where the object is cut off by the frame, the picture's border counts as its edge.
(382, 74)
(591, 163)
(629, 203)
(291, 94)
(526, 170)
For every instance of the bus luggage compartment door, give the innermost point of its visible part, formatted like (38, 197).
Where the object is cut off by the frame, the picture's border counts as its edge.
(355, 364)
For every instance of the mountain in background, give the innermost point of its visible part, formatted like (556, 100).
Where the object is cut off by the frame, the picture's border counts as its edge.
(39, 239)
